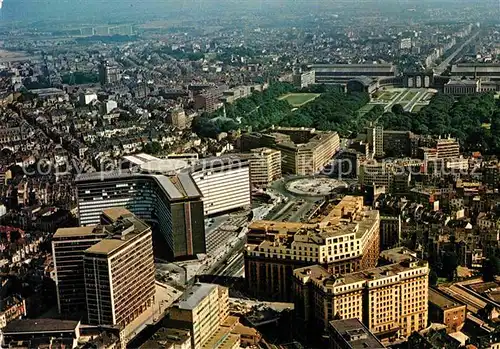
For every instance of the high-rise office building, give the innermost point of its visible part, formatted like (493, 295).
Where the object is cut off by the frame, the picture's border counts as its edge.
(68, 246)
(202, 310)
(105, 273)
(172, 205)
(345, 240)
(119, 273)
(265, 165)
(224, 183)
(391, 300)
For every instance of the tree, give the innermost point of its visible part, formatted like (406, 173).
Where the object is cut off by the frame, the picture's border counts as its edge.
(491, 268)
(398, 109)
(433, 278)
(450, 264)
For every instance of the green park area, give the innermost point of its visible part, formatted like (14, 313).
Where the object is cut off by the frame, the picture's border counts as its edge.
(409, 96)
(299, 99)
(387, 96)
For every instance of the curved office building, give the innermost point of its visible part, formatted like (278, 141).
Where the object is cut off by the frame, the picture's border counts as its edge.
(174, 199)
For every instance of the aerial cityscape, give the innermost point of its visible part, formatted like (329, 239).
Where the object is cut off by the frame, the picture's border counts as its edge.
(260, 174)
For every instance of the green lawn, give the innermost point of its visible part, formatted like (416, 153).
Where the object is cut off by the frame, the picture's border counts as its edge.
(299, 99)
(365, 109)
(409, 96)
(387, 96)
(417, 108)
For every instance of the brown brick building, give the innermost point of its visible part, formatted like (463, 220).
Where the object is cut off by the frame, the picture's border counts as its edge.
(447, 311)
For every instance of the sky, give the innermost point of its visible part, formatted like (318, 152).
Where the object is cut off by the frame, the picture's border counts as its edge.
(121, 10)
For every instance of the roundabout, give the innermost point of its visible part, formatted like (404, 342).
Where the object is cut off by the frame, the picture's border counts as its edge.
(314, 186)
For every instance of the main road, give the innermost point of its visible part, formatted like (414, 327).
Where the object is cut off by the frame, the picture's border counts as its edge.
(442, 67)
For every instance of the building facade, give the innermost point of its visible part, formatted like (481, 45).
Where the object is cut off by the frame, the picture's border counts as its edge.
(105, 273)
(68, 247)
(172, 205)
(202, 310)
(344, 241)
(390, 300)
(445, 310)
(119, 273)
(224, 183)
(265, 166)
(304, 151)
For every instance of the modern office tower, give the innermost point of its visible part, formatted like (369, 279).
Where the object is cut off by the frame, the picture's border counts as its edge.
(447, 148)
(202, 310)
(265, 165)
(345, 239)
(68, 246)
(351, 334)
(397, 143)
(172, 205)
(119, 273)
(391, 300)
(375, 137)
(108, 73)
(224, 183)
(304, 151)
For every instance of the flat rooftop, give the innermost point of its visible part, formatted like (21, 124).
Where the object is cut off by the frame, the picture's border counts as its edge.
(441, 300)
(77, 232)
(192, 297)
(40, 325)
(356, 334)
(114, 213)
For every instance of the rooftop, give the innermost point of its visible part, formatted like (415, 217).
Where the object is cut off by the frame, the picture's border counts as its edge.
(121, 231)
(192, 297)
(77, 232)
(441, 300)
(40, 325)
(115, 213)
(356, 334)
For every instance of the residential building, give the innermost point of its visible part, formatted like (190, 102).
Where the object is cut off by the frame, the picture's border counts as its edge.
(108, 73)
(391, 300)
(210, 99)
(447, 148)
(119, 273)
(445, 310)
(202, 310)
(352, 334)
(178, 118)
(345, 240)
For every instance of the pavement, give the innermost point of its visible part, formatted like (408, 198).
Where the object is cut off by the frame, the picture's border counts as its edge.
(165, 296)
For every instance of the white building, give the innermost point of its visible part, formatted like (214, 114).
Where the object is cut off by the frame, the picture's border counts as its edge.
(224, 183)
(87, 98)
